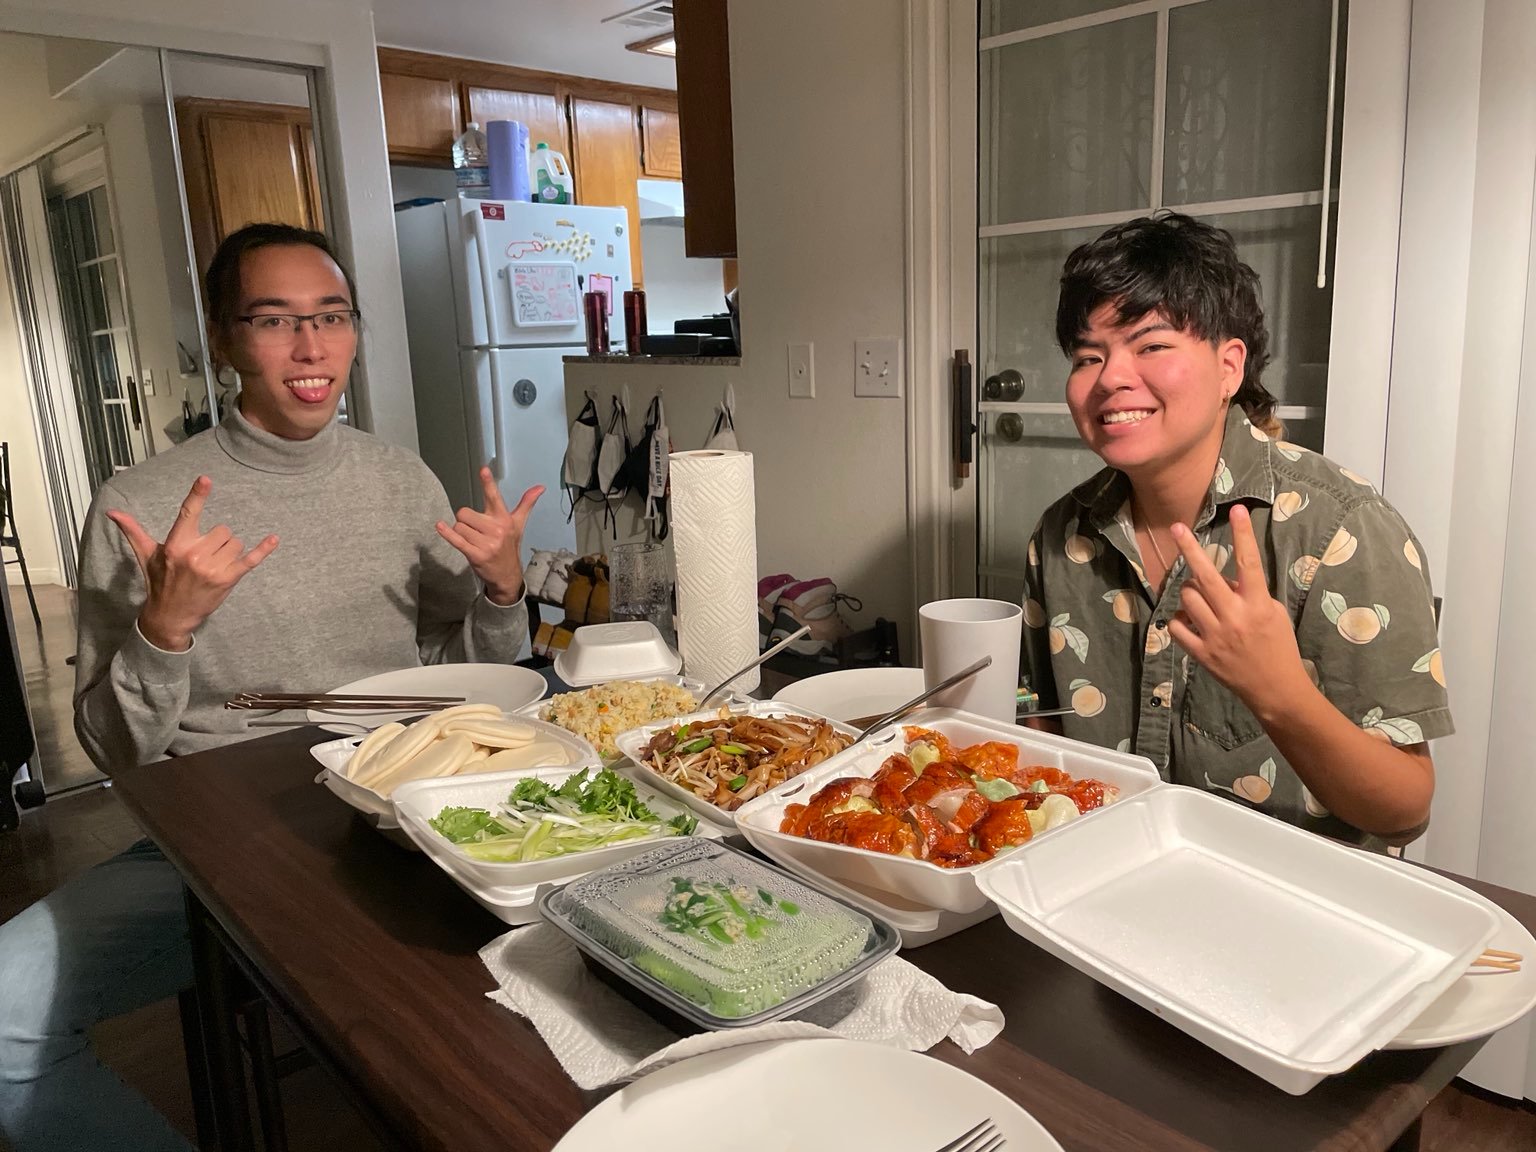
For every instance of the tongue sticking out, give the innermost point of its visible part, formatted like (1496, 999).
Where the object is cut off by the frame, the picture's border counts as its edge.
(311, 392)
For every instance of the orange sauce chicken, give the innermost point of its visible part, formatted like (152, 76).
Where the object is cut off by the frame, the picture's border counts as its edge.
(953, 807)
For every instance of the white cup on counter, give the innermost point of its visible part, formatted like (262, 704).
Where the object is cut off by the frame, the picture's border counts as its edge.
(957, 633)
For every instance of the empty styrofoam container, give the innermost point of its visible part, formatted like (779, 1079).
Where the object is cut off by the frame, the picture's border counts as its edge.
(919, 881)
(623, 650)
(1289, 953)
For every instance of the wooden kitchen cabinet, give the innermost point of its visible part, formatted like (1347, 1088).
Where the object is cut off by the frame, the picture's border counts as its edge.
(422, 118)
(606, 163)
(661, 147)
(704, 121)
(543, 112)
(246, 163)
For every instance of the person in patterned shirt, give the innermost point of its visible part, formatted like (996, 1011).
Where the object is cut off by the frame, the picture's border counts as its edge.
(1255, 619)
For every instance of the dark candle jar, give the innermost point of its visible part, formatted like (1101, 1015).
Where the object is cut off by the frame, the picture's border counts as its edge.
(634, 320)
(595, 307)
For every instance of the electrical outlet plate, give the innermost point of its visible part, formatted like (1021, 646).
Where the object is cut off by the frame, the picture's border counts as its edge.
(877, 367)
(802, 371)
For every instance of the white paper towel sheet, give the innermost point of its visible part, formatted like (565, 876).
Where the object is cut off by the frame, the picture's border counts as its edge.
(600, 1038)
(714, 533)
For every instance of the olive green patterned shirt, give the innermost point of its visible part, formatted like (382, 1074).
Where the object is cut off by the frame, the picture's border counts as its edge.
(1340, 557)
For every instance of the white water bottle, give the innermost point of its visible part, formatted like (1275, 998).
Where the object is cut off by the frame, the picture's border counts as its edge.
(472, 164)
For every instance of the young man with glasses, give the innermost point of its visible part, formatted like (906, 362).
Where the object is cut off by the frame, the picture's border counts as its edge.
(279, 550)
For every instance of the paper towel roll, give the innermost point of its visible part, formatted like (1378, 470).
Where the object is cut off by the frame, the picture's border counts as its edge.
(506, 141)
(714, 533)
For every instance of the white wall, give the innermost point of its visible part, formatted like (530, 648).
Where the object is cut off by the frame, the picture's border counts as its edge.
(336, 35)
(823, 261)
(676, 287)
(32, 121)
(408, 181)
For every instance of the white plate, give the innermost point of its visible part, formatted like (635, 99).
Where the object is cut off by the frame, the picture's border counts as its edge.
(1292, 955)
(845, 1095)
(1477, 1005)
(855, 693)
(504, 685)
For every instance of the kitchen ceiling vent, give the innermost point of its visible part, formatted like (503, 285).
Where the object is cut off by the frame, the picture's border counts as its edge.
(653, 17)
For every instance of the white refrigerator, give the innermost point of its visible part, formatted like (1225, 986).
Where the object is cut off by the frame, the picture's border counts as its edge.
(493, 302)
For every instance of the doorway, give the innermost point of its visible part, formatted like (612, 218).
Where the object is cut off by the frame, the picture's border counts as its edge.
(1093, 112)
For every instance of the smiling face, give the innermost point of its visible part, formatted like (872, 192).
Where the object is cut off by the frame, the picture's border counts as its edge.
(1148, 397)
(290, 383)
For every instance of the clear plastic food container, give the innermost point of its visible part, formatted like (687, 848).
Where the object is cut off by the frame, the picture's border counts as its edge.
(719, 938)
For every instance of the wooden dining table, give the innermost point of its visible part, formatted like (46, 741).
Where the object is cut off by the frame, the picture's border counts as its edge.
(371, 954)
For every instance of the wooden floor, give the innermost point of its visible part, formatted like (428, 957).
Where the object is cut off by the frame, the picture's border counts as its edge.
(73, 832)
(51, 685)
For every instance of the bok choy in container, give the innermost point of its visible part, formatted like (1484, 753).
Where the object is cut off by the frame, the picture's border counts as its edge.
(717, 937)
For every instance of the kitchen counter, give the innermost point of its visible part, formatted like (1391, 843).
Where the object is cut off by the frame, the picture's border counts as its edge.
(623, 358)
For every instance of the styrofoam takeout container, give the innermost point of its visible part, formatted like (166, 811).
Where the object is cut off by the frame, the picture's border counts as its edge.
(917, 924)
(378, 811)
(623, 650)
(919, 881)
(417, 802)
(632, 743)
(1286, 952)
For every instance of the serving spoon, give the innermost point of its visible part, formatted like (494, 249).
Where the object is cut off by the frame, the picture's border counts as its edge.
(767, 655)
(910, 706)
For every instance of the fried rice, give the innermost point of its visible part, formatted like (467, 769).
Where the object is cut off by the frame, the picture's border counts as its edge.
(600, 713)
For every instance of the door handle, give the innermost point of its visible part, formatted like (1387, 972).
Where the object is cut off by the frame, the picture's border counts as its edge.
(962, 427)
(133, 404)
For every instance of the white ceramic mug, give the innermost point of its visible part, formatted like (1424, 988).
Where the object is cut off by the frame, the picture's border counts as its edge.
(959, 632)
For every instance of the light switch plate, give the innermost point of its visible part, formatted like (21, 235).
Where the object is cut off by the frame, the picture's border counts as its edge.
(802, 371)
(877, 367)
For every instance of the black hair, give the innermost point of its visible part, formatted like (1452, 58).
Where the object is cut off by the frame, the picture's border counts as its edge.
(1184, 269)
(221, 283)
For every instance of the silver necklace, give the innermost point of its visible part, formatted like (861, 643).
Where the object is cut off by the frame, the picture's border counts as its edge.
(1156, 548)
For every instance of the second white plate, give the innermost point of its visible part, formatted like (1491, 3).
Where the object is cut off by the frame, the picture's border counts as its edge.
(841, 1094)
(854, 693)
(1482, 1004)
(505, 685)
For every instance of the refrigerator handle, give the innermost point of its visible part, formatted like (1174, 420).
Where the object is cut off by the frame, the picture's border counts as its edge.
(498, 462)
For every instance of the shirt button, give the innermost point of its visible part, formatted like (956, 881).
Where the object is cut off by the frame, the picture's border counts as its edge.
(1159, 623)
(1156, 702)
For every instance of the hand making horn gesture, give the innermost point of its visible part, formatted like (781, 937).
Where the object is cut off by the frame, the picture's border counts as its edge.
(190, 574)
(1234, 629)
(492, 540)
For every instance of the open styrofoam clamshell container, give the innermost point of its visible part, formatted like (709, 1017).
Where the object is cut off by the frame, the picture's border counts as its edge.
(919, 881)
(420, 801)
(378, 811)
(1289, 953)
(633, 742)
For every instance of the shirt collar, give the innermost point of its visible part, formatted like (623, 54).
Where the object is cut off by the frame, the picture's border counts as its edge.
(267, 452)
(1245, 471)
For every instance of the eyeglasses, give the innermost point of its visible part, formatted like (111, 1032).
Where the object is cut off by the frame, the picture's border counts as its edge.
(283, 328)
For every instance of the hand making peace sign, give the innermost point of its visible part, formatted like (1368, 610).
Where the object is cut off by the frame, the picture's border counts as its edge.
(492, 540)
(190, 574)
(1234, 629)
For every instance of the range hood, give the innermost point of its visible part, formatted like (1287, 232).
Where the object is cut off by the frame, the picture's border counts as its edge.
(660, 200)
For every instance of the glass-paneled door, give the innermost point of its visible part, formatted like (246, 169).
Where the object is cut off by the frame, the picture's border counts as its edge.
(99, 332)
(1092, 112)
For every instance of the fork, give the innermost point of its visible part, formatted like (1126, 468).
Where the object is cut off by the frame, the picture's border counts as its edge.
(984, 1137)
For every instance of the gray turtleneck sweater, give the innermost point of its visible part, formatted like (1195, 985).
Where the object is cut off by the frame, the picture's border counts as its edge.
(360, 583)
